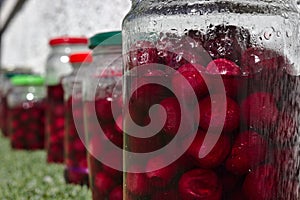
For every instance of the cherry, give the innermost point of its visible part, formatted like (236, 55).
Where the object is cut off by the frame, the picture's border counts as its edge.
(172, 107)
(207, 118)
(162, 177)
(249, 149)
(143, 98)
(213, 158)
(200, 184)
(257, 59)
(112, 134)
(144, 145)
(224, 67)
(142, 53)
(116, 193)
(259, 110)
(103, 109)
(261, 184)
(226, 41)
(117, 161)
(95, 147)
(103, 183)
(229, 72)
(138, 183)
(193, 73)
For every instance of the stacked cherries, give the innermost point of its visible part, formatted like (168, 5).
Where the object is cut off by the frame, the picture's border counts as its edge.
(27, 125)
(76, 170)
(101, 130)
(3, 115)
(255, 155)
(75, 153)
(55, 124)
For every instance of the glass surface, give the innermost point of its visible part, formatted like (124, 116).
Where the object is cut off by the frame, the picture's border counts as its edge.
(231, 109)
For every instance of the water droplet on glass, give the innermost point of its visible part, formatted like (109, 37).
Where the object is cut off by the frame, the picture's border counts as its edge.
(278, 33)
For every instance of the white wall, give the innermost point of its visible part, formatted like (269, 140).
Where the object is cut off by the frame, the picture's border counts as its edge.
(25, 42)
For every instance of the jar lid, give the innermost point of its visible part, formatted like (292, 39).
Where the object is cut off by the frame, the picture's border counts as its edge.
(83, 57)
(106, 39)
(68, 40)
(20, 80)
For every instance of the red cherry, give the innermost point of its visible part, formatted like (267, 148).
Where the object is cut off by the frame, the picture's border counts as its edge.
(207, 118)
(213, 158)
(193, 74)
(95, 147)
(144, 145)
(162, 177)
(257, 59)
(137, 183)
(261, 184)
(200, 184)
(143, 98)
(141, 53)
(224, 67)
(103, 183)
(172, 107)
(116, 193)
(116, 160)
(249, 149)
(113, 135)
(259, 110)
(103, 109)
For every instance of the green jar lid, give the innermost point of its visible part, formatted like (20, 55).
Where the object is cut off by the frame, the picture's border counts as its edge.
(20, 80)
(106, 39)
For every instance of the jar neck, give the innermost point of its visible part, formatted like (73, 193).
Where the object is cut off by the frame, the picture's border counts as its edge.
(67, 48)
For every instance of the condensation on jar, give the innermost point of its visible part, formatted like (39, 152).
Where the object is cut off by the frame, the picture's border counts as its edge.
(224, 77)
(76, 169)
(26, 112)
(102, 93)
(58, 66)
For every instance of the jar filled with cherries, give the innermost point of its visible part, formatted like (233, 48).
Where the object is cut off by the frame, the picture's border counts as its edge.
(58, 66)
(102, 94)
(76, 170)
(211, 105)
(26, 112)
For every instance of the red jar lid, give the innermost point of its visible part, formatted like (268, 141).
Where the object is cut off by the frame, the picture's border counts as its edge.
(68, 40)
(82, 57)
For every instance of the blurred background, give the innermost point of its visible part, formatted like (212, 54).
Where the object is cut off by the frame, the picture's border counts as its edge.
(27, 25)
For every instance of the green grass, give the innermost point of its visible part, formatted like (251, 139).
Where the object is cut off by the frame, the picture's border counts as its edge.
(26, 176)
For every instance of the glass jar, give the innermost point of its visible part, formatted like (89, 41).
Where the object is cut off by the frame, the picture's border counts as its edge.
(102, 92)
(26, 112)
(76, 170)
(224, 78)
(3, 103)
(58, 66)
(5, 89)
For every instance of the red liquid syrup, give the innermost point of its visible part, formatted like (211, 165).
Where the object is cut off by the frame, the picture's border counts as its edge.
(76, 171)
(27, 126)
(55, 121)
(256, 156)
(105, 182)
